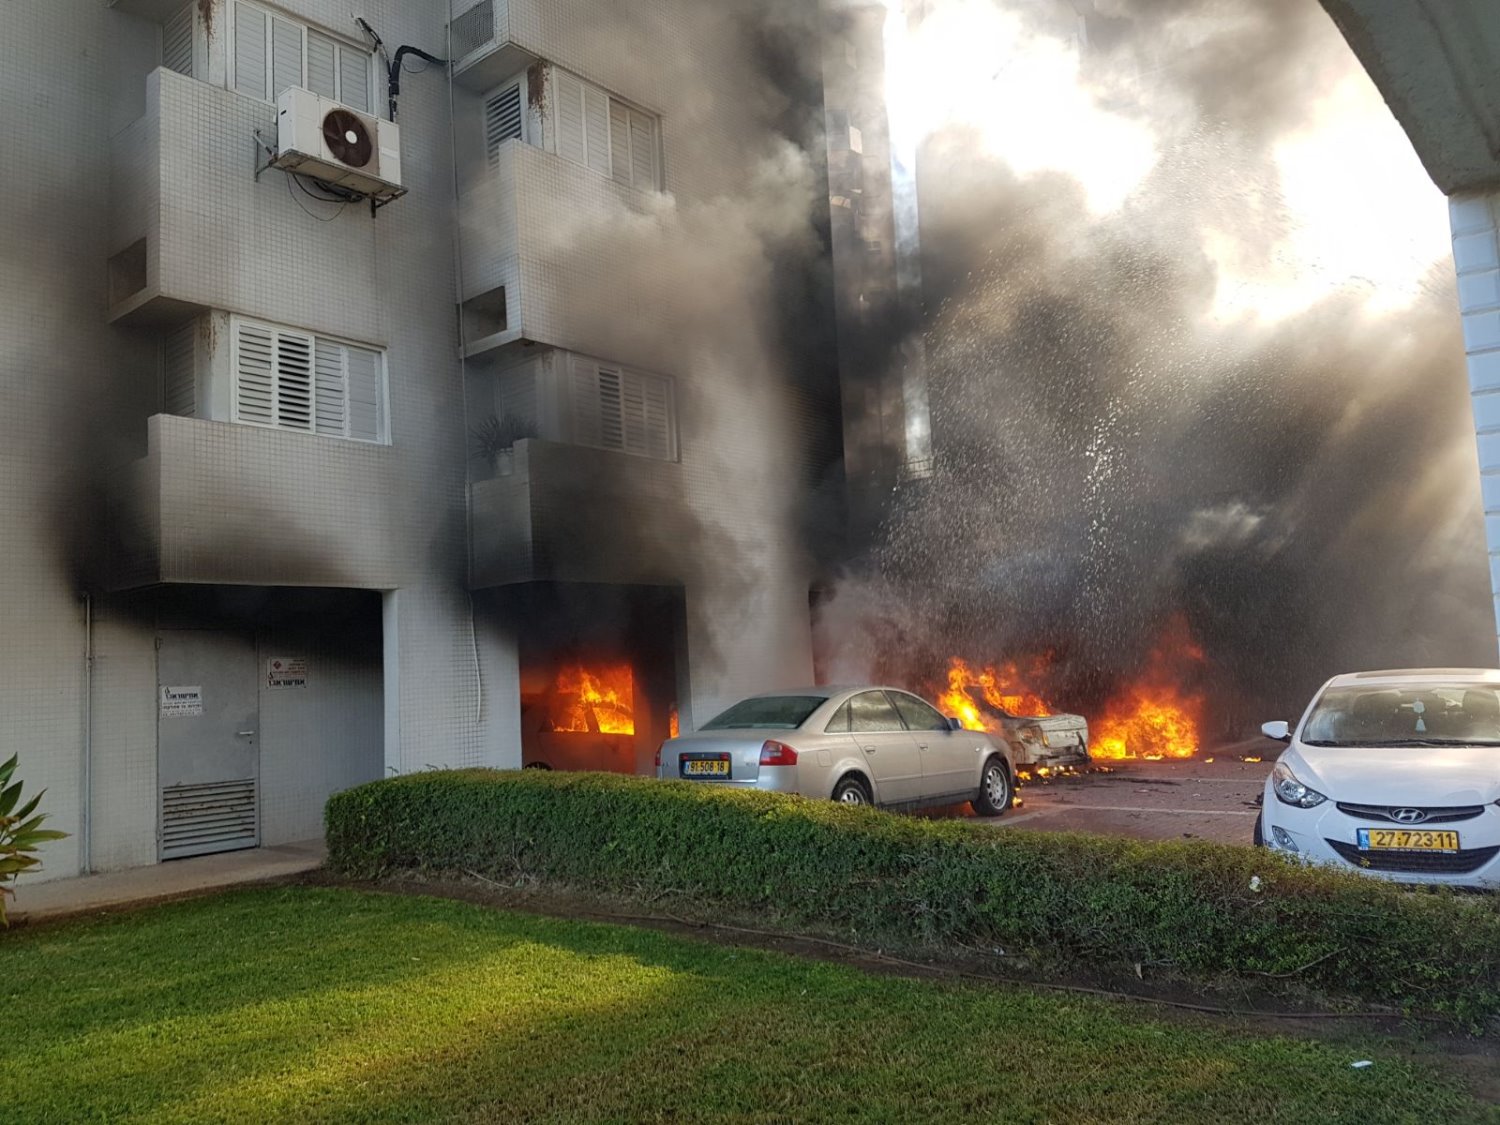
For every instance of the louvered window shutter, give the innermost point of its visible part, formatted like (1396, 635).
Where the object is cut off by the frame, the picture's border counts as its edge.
(179, 371)
(250, 51)
(366, 394)
(255, 375)
(354, 78)
(633, 412)
(286, 55)
(611, 414)
(322, 65)
(570, 131)
(294, 381)
(619, 141)
(661, 429)
(596, 128)
(177, 42)
(502, 119)
(332, 390)
(643, 151)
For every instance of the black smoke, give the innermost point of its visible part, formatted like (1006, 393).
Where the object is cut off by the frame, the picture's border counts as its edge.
(1303, 492)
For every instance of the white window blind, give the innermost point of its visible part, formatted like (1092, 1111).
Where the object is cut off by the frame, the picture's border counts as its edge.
(292, 380)
(177, 42)
(617, 408)
(603, 133)
(272, 53)
(503, 118)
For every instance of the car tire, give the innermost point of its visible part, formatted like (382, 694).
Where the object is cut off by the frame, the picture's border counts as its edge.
(1258, 837)
(851, 790)
(537, 766)
(996, 789)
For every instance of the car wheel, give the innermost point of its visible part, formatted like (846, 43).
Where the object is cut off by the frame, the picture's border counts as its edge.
(1258, 838)
(994, 789)
(536, 766)
(851, 791)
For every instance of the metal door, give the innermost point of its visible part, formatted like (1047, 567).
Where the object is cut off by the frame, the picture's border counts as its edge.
(950, 758)
(889, 749)
(208, 753)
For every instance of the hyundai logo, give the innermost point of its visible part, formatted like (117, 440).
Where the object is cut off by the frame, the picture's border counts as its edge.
(1408, 816)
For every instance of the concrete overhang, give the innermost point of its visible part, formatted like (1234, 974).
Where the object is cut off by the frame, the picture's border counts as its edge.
(1437, 64)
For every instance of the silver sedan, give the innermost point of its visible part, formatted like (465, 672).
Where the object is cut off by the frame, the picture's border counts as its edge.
(857, 745)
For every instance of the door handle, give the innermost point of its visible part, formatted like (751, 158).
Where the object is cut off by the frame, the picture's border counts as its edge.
(869, 749)
(244, 733)
(921, 746)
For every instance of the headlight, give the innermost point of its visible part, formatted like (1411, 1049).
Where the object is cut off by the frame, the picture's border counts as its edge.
(1293, 792)
(1031, 733)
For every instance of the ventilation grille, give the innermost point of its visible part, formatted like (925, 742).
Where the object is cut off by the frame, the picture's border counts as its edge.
(177, 42)
(216, 817)
(474, 29)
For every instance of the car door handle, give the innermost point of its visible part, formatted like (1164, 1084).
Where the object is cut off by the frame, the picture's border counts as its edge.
(244, 733)
(869, 749)
(921, 746)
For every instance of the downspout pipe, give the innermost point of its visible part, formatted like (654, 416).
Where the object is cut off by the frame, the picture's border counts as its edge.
(86, 809)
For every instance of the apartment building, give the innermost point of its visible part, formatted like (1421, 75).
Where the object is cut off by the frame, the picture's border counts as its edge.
(351, 427)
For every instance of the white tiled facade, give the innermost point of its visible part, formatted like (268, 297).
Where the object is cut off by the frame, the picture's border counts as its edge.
(122, 526)
(1476, 254)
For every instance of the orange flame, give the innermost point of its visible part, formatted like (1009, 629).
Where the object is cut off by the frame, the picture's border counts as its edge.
(1155, 718)
(1152, 718)
(601, 700)
(1000, 687)
(673, 723)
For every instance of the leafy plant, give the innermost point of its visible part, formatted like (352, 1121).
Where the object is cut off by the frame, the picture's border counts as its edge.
(1195, 910)
(20, 832)
(497, 434)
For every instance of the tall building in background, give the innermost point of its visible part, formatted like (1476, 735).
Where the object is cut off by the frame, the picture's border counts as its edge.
(348, 430)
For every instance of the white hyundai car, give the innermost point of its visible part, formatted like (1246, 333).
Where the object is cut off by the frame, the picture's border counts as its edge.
(1395, 774)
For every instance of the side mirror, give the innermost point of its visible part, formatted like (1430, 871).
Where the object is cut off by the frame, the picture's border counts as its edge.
(955, 724)
(1280, 731)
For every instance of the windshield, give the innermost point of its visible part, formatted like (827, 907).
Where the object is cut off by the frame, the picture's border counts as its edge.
(771, 712)
(1431, 714)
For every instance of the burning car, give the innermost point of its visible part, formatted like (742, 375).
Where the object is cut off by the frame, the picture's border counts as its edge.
(1395, 774)
(991, 699)
(864, 745)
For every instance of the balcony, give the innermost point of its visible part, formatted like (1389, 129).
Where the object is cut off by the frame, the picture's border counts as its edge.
(214, 502)
(192, 228)
(582, 262)
(565, 513)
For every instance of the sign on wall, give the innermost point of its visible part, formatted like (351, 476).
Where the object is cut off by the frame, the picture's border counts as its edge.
(180, 702)
(286, 672)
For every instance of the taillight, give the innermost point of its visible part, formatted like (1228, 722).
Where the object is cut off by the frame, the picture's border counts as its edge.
(777, 754)
(658, 756)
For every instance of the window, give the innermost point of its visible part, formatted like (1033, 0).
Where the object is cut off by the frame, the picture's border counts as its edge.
(871, 712)
(603, 133)
(177, 42)
(272, 52)
(179, 371)
(292, 380)
(779, 712)
(616, 408)
(504, 118)
(917, 714)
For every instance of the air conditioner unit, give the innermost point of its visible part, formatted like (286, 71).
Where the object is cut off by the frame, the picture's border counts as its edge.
(318, 137)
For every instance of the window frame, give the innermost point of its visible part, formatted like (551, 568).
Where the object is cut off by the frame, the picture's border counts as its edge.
(897, 696)
(518, 82)
(383, 386)
(341, 43)
(623, 373)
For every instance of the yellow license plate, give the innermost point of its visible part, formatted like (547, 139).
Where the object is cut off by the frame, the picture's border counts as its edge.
(705, 768)
(1406, 840)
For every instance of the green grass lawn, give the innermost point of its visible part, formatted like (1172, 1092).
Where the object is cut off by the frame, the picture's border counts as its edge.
(304, 1004)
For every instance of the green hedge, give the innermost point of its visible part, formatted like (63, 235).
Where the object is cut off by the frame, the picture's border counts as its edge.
(879, 877)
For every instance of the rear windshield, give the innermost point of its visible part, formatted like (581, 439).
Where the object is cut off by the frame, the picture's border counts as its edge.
(1440, 714)
(772, 712)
